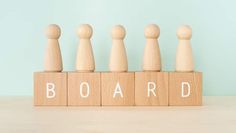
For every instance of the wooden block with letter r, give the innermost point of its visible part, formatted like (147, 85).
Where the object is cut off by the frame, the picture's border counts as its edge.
(84, 88)
(151, 88)
(50, 88)
(117, 88)
(185, 88)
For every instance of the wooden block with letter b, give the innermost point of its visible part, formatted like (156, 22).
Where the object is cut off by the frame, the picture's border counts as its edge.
(50, 88)
(185, 88)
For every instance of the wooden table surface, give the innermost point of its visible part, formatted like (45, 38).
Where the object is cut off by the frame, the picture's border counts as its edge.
(217, 115)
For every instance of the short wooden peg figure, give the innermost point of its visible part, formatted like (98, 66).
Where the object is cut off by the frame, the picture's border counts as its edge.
(184, 55)
(53, 59)
(152, 56)
(85, 59)
(118, 58)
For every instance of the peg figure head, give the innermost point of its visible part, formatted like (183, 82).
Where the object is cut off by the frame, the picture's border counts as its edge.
(184, 32)
(152, 31)
(85, 31)
(118, 32)
(53, 31)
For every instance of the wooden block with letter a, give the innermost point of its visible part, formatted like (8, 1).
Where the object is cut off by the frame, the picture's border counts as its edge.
(185, 88)
(151, 88)
(84, 88)
(50, 88)
(117, 88)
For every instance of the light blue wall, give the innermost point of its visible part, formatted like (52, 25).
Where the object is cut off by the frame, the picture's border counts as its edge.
(22, 39)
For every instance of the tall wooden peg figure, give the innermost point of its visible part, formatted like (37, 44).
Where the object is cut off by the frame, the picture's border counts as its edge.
(152, 56)
(151, 85)
(185, 87)
(118, 84)
(84, 84)
(85, 60)
(53, 60)
(184, 55)
(50, 86)
(118, 58)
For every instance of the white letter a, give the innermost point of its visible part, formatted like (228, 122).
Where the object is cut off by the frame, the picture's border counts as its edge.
(118, 90)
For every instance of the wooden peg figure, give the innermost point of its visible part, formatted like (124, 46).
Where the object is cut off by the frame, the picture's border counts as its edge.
(118, 58)
(152, 57)
(85, 59)
(53, 59)
(184, 55)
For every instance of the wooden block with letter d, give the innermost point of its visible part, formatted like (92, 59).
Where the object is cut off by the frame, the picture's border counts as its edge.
(185, 88)
(118, 85)
(50, 88)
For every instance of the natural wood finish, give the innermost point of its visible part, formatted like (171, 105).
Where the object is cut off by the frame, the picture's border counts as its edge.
(141, 88)
(152, 56)
(118, 57)
(85, 59)
(74, 82)
(109, 81)
(175, 88)
(184, 54)
(40, 81)
(53, 59)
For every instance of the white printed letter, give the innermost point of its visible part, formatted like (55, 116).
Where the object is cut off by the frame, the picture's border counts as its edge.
(50, 90)
(81, 89)
(188, 87)
(151, 89)
(118, 90)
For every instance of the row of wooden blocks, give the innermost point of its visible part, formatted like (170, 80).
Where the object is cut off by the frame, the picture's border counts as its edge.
(111, 88)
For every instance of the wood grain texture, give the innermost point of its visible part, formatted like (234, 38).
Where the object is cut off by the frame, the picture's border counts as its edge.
(175, 81)
(74, 81)
(40, 81)
(184, 54)
(118, 58)
(109, 81)
(141, 88)
(53, 59)
(152, 55)
(85, 59)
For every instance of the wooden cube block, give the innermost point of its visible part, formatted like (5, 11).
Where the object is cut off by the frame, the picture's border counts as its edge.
(50, 88)
(117, 88)
(185, 88)
(151, 88)
(84, 88)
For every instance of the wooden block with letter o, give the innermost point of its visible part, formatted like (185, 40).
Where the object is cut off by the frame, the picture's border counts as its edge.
(185, 88)
(117, 88)
(84, 88)
(50, 88)
(151, 88)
